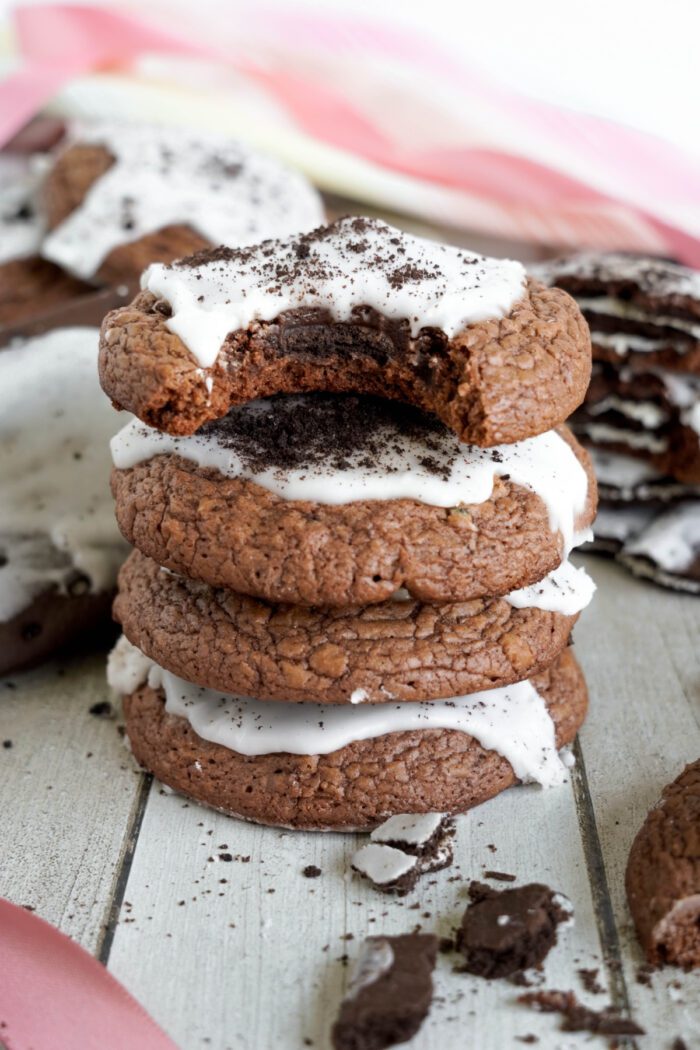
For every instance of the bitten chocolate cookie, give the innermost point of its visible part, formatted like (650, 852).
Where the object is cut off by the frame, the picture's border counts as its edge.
(663, 875)
(396, 650)
(347, 766)
(641, 310)
(122, 196)
(389, 992)
(59, 547)
(337, 500)
(353, 307)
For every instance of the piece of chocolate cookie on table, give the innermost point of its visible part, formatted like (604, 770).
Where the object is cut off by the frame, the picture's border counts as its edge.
(340, 609)
(59, 548)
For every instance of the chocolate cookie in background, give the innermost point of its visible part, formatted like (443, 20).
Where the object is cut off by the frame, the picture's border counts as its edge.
(641, 416)
(353, 307)
(59, 548)
(28, 282)
(663, 875)
(121, 196)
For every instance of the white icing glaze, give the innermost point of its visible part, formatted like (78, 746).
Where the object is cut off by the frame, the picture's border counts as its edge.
(169, 176)
(21, 224)
(672, 540)
(55, 424)
(382, 864)
(375, 959)
(513, 721)
(413, 829)
(567, 590)
(545, 464)
(403, 277)
(127, 667)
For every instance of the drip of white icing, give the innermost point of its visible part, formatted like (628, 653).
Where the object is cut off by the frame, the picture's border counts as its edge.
(545, 464)
(55, 424)
(353, 263)
(672, 540)
(127, 667)
(383, 864)
(412, 829)
(567, 590)
(171, 176)
(514, 721)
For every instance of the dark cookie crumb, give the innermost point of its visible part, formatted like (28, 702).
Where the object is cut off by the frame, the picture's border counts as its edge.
(103, 709)
(579, 1018)
(589, 980)
(7, 744)
(311, 871)
(499, 876)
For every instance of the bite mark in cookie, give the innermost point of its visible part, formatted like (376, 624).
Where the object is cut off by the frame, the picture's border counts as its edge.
(353, 307)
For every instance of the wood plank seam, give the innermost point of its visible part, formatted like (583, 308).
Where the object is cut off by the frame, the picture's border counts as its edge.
(123, 870)
(600, 892)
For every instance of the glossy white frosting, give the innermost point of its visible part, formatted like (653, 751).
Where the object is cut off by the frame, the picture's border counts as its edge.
(353, 263)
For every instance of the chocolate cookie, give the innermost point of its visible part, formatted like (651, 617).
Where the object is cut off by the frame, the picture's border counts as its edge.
(654, 415)
(641, 310)
(122, 196)
(59, 547)
(389, 993)
(335, 500)
(352, 307)
(363, 768)
(400, 649)
(625, 479)
(663, 875)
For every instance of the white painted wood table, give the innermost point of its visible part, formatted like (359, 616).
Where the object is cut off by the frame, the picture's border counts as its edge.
(249, 954)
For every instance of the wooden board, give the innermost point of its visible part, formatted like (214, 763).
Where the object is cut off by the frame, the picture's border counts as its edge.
(249, 953)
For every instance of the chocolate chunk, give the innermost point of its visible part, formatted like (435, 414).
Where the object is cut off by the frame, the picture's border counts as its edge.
(503, 932)
(389, 994)
(579, 1018)
(663, 875)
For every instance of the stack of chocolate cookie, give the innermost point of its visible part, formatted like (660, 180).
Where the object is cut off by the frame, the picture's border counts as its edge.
(352, 501)
(641, 416)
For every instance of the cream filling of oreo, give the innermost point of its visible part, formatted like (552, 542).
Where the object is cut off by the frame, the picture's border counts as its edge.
(639, 439)
(514, 721)
(172, 176)
(671, 541)
(603, 306)
(648, 413)
(545, 464)
(621, 523)
(352, 264)
(55, 425)
(624, 343)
